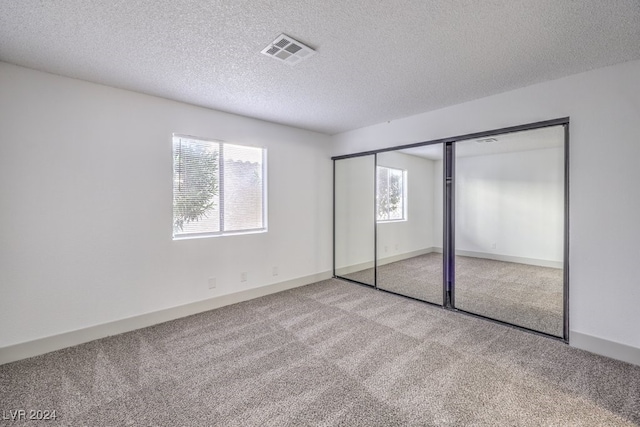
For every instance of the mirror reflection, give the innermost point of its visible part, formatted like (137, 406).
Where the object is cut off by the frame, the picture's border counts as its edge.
(354, 219)
(409, 239)
(509, 228)
(508, 225)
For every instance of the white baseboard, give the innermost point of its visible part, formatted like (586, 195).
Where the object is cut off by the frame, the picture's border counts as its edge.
(342, 271)
(605, 347)
(403, 256)
(68, 339)
(508, 258)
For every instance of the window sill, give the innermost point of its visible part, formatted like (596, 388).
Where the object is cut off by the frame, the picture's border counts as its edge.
(226, 234)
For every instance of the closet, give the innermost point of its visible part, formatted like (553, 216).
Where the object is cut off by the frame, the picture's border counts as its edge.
(475, 223)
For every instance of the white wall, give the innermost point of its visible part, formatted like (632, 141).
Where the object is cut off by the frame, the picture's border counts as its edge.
(416, 233)
(86, 195)
(604, 107)
(512, 204)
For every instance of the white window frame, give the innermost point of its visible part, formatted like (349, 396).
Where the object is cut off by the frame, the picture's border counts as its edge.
(404, 195)
(222, 232)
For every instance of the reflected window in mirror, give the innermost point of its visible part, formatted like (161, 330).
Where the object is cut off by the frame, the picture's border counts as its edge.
(391, 197)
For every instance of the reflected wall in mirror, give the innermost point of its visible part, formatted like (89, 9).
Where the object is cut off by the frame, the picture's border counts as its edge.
(354, 219)
(509, 229)
(409, 254)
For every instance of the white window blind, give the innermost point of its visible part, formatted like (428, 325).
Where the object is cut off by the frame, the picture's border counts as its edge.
(391, 194)
(218, 188)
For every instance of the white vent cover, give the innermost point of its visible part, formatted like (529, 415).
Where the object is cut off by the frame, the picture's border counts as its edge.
(288, 50)
(486, 141)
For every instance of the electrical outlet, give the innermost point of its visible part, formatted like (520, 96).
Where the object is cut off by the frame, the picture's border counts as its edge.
(386, 248)
(493, 245)
(396, 247)
(274, 271)
(243, 276)
(212, 282)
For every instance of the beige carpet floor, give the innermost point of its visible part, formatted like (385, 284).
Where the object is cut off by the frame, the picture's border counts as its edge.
(524, 295)
(327, 354)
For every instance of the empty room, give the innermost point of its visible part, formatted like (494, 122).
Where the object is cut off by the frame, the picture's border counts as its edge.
(291, 213)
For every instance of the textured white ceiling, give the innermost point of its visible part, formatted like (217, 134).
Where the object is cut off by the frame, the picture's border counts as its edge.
(376, 61)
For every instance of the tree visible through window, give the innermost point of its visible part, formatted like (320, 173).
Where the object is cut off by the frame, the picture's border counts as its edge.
(218, 188)
(391, 194)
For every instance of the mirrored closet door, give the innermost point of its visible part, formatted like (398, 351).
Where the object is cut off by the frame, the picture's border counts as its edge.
(354, 229)
(408, 222)
(509, 228)
(476, 223)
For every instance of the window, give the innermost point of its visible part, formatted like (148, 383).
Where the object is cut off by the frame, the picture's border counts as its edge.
(391, 197)
(218, 188)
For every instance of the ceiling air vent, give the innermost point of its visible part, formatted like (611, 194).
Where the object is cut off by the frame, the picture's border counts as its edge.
(287, 50)
(486, 141)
